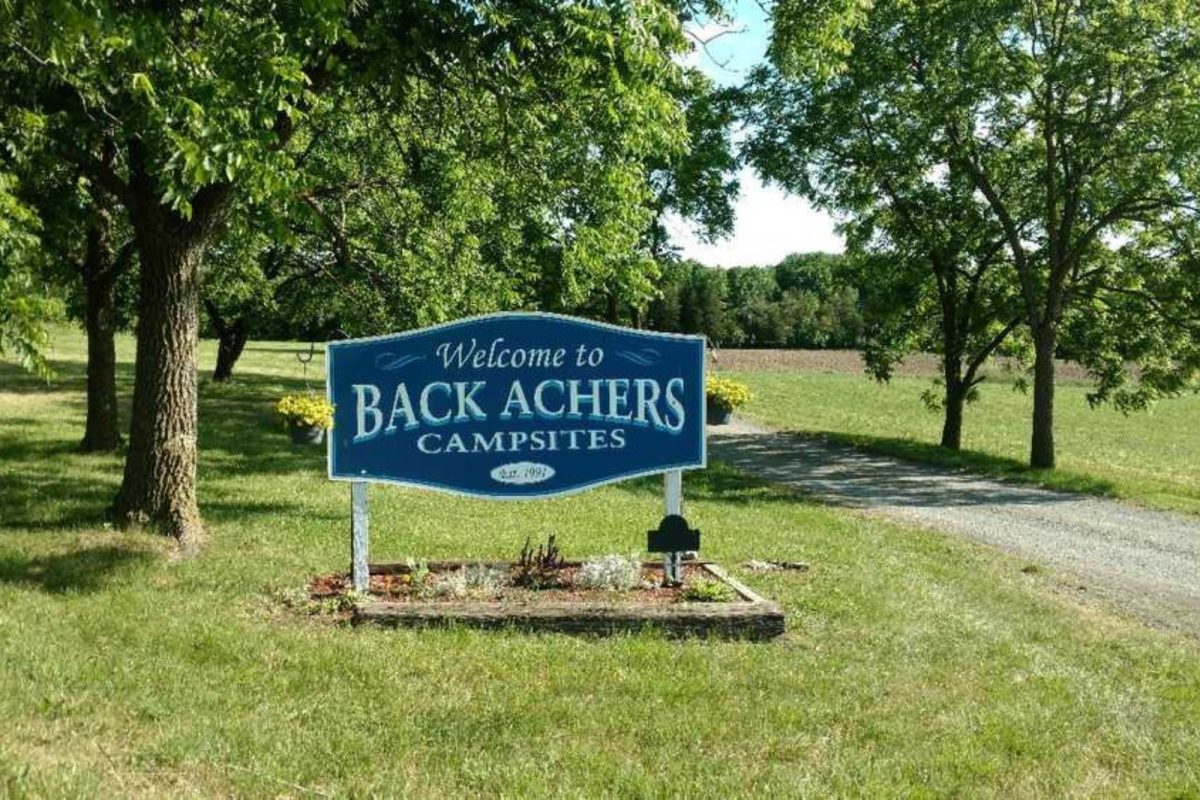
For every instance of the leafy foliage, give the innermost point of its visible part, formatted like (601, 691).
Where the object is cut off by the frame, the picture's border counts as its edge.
(707, 590)
(23, 308)
(927, 259)
(1060, 127)
(342, 122)
(808, 300)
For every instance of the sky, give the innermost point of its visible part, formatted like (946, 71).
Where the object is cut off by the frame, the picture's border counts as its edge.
(769, 223)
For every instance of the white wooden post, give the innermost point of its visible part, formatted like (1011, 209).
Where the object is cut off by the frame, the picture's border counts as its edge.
(359, 572)
(673, 497)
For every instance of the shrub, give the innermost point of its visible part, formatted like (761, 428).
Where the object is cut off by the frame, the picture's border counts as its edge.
(726, 394)
(614, 573)
(538, 569)
(705, 590)
(471, 578)
(307, 410)
(301, 601)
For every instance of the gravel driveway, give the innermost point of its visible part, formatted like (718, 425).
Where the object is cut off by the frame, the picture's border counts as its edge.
(1146, 562)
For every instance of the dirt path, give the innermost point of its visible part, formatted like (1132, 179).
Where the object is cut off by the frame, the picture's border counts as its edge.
(1147, 562)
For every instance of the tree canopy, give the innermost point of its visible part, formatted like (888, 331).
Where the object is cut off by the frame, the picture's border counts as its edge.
(1073, 124)
(219, 108)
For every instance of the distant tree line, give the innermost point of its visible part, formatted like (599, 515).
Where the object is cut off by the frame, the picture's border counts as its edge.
(808, 300)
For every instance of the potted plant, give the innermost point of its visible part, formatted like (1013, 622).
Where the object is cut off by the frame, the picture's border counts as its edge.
(307, 417)
(722, 396)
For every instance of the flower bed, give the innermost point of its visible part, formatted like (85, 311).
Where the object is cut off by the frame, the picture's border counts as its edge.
(408, 595)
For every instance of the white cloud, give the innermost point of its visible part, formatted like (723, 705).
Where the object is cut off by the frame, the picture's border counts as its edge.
(769, 225)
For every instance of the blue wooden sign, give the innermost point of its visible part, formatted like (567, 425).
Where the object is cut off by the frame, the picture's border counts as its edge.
(515, 405)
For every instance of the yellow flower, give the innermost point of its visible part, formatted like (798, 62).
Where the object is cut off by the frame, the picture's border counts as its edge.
(310, 410)
(726, 393)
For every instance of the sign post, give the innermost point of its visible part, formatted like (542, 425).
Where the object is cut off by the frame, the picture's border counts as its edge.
(359, 570)
(673, 494)
(514, 406)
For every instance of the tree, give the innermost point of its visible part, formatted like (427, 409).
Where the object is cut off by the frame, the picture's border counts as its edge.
(698, 184)
(1074, 122)
(204, 104)
(746, 307)
(817, 273)
(86, 251)
(1149, 318)
(22, 308)
(756, 319)
(241, 285)
(928, 256)
(413, 218)
(102, 265)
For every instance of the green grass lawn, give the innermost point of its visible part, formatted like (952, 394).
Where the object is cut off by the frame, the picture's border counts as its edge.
(915, 665)
(1151, 458)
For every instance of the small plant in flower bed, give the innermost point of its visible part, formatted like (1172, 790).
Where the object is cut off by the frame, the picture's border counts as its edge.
(303, 601)
(307, 410)
(540, 569)
(705, 590)
(614, 573)
(473, 579)
(418, 570)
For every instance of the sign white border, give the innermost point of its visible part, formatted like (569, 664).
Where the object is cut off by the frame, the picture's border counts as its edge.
(329, 439)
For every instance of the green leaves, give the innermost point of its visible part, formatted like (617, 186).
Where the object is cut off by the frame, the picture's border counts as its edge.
(24, 306)
(413, 162)
(140, 85)
(814, 38)
(1051, 131)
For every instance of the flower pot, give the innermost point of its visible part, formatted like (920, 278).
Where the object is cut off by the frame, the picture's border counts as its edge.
(717, 414)
(306, 434)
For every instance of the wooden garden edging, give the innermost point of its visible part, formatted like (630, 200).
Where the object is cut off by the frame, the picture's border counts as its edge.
(750, 617)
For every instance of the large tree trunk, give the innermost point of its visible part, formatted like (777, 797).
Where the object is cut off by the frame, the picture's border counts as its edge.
(952, 422)
(1041, 449)
(953, 343)
(159, 486)
(102, 430)
(231, 341)
(229, 349)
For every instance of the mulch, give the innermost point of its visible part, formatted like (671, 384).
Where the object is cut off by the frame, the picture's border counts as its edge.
(399, 587)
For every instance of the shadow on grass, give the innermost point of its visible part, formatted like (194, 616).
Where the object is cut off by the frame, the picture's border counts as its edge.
(719, 482)
(84, 570)
(49, 485)
(848, 471)
(241, 435)
(69, 376)
(1000, 467)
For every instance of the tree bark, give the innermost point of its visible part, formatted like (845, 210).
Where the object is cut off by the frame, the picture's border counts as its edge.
(231, 340)
(100, 270)
(952, 422)
(1041, 448)
(953, 344)
(159, 485)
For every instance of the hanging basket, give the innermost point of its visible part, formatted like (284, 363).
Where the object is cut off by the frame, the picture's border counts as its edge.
(717, 413)
(306, 434)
